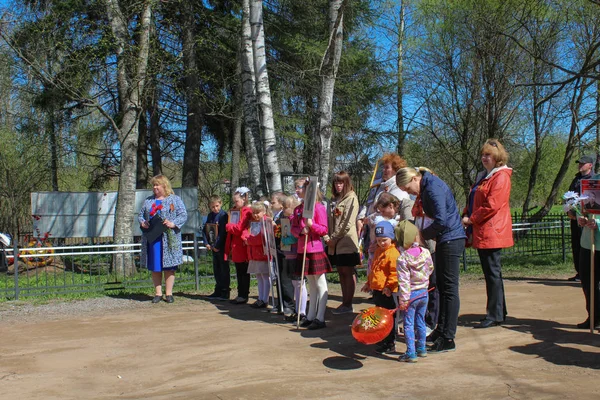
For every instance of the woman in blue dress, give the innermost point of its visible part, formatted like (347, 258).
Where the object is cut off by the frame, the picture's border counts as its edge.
(163, 255)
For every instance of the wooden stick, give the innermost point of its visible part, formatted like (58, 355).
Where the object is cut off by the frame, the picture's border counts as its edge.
(592, 279)
(301, 282)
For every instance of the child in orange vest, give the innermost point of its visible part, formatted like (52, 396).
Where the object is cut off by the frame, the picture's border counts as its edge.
(382, 278)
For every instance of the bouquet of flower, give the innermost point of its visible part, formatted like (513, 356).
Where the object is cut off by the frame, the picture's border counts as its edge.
(573, 203)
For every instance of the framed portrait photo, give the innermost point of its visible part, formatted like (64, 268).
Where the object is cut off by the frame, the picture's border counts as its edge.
(310, 196)
(590, 189)
(286, 230)
(212, 232)
(234, 216)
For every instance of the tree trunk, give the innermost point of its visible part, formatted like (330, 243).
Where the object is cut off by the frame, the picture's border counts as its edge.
(130, 85)
(154, 134)
(400, 73)
(575, 134)
(328, 72)
(141, 177)
(269, 143)
(193, 138)
(251, 121)
(537, 156)
(51, 126)
(236, 142)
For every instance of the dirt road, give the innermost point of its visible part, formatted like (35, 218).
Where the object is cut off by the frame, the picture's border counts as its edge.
(195, 349)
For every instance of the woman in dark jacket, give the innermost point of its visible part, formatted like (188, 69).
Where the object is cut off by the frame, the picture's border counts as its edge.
(445, 227)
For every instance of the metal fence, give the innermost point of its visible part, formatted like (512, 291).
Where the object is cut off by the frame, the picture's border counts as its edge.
(551, 235)
(51, 271)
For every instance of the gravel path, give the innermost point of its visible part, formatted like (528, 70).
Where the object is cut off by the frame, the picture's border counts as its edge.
(20, 311)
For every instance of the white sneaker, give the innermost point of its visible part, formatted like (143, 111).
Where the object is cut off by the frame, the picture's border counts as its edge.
(428, 331)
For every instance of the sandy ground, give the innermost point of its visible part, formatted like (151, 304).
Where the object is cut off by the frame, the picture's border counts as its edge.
(195, 349)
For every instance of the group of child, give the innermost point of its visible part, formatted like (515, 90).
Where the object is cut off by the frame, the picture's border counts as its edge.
(399, 267)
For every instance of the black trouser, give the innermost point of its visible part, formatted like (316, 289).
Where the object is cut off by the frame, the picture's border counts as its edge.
(243, 279)
(575, 243)
(447, 270)
(286, 271)
(585, 276)
(494, 286)
(222, 274)
(381, 300)
(433, 305)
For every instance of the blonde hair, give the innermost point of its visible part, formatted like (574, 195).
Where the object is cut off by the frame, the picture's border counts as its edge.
(259, 206)
(163, 181)
(215, 199)
(290, 202)
(404, 175)
(495, 148)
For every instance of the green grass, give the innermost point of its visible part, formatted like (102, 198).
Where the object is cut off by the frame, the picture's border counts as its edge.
(524, 267)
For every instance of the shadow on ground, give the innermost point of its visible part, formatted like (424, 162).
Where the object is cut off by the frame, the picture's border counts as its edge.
(555, 341)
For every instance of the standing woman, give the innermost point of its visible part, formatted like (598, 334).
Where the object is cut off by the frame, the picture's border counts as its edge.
(235, 245)
(165, 253)
(487, 216)
(310, 231)
(342, 241)
(446, 228)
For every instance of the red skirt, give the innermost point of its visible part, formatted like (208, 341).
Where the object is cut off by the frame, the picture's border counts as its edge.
(316, 264)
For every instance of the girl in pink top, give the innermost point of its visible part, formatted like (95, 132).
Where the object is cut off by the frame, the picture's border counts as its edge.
(413, 267)
(317, 263)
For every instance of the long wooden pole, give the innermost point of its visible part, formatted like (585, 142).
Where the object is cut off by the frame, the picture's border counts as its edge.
(592, 280)
(301, 283)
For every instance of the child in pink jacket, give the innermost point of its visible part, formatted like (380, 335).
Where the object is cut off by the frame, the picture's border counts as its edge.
(317, 264)
(413, 267)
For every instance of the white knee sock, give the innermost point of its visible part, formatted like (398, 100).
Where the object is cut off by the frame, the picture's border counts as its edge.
(318, 297)
(323, 294)
(300, 305)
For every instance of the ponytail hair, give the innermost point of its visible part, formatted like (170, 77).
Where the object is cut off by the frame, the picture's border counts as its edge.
(404, 175)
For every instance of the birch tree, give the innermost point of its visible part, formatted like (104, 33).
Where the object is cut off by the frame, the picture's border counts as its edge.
(328, 72)
(130, 75)
(251, 119)
(269, 143)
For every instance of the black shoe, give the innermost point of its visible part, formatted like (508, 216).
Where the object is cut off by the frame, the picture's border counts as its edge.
(442, 345)
(433, 336)
(213, 296)
(487, 323)
(316, 324)
(239, 300)
(169, 299)
(258, 304)
(574, 278)
(293, 318)
(306, 323)
(386, 348)
(586, 324)
(156, 299)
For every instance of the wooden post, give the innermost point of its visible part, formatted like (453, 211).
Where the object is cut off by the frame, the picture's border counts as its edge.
(301, 283)
(592, 280)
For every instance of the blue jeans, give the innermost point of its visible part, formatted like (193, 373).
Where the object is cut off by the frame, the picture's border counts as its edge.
(414, 322)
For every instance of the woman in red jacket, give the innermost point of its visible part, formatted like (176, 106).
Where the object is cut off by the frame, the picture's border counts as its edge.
(487, 215)
(235, 245)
